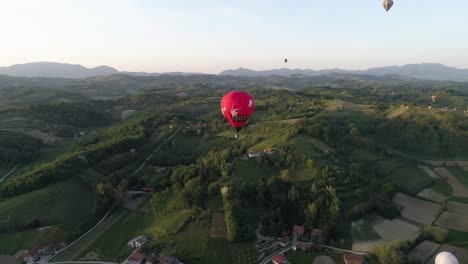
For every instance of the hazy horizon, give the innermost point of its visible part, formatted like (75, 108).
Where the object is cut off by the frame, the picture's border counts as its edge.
(212, 36)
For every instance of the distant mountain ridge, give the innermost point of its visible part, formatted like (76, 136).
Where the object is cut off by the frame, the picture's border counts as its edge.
(55, 70)
(70, 71)
(425, 71)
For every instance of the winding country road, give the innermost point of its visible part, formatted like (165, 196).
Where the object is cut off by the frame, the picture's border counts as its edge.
(9, 173)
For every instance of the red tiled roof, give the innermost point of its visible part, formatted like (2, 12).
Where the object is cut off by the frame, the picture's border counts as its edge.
(136, 256)
(299, 230)
(353, 257)
(278, 258)
(268, 150)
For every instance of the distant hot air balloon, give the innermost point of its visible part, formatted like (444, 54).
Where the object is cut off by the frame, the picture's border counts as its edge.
(387, 4)
(434, 98)
(285, 60)
(446, 258)
(237, 107)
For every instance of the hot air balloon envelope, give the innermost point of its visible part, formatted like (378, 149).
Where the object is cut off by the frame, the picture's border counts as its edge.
(388, 4)
(237, 107)
(446, 258)
(285, 60)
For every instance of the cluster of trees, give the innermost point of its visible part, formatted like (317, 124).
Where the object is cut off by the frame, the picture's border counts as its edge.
(18, 147)
(237, 225)
(440, 136)
(390, 254)
(76, 114)
(88, 152)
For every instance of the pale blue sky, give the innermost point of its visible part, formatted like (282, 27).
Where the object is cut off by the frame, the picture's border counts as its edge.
(213, 35)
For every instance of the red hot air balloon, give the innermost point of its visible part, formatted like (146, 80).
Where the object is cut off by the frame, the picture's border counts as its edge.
(237, 107)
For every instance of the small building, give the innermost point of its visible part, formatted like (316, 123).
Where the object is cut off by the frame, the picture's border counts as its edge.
(298, 231)
(304, 246)
(138, 242)
(279, 259)
(135, 258)
(254, 153)
(353, 259)
(269, 151)
(147, 189)
(285, 241)
(32, 255)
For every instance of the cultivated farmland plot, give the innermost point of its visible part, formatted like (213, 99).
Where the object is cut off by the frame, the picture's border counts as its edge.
(415, 209)
(458, 188)
(396, 229)
(218, 225)
(423, 252)
(453, 221)
(432, 195)
(458, 208)
(429, 172)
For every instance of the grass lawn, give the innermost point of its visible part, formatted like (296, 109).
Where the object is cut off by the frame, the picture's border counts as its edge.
(112, 244)
(66, 204)
(461, 174)
(306, 145)
(10, 243)
(302, 175)
(48, 155)
(441, 186)
(410, 179)
(457, 238)
(250, 171)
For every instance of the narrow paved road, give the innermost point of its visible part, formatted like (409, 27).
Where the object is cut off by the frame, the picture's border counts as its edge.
(9, 173)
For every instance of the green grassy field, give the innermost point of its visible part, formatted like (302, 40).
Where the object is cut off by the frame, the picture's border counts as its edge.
(410, 179)
(48, 155)
(457, 238)
(66, 204)
(311, 147)
(250, 170)
(112, 244)
(442, 187)
(461, 174)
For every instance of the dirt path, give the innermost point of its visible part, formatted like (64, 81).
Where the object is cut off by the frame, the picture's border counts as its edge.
(458, 188)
